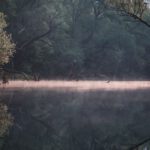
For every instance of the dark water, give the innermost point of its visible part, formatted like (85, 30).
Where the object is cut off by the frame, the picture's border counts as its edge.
(95, 120)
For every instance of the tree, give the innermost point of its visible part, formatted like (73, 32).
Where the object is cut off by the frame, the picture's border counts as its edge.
(133, 8)
(6, 51)
(55, 38)
(6, 45)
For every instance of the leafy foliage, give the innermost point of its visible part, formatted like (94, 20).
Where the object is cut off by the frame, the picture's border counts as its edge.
(6, 51)
(6, 46)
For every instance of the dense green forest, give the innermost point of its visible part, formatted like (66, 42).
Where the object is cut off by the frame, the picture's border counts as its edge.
(77, 39)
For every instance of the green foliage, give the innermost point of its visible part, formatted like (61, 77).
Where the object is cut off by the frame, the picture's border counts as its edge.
(6, 46)
(6, 51)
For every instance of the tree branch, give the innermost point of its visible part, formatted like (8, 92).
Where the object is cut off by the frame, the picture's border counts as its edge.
(139, 144)
(138, 18)
(52, 26)
(26, 44)
(130, 14)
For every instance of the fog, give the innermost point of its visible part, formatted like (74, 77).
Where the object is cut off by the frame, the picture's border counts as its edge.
(79, 85)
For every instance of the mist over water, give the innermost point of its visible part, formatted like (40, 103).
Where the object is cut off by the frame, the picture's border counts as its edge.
(77, 115)
(78, 85)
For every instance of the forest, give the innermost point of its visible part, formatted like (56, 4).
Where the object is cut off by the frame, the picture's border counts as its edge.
(78, 39)
(74, 74)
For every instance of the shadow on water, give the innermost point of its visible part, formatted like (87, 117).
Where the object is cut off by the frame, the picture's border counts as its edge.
(89, 120)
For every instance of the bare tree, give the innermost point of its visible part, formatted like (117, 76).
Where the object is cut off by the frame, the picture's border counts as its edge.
(132, 8)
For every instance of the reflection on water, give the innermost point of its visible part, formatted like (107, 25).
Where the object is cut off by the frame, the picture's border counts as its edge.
(100, 119)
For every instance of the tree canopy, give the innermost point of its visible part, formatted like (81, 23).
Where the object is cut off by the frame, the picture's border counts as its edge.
(6, 51)
(6, 45)
(82, 38)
